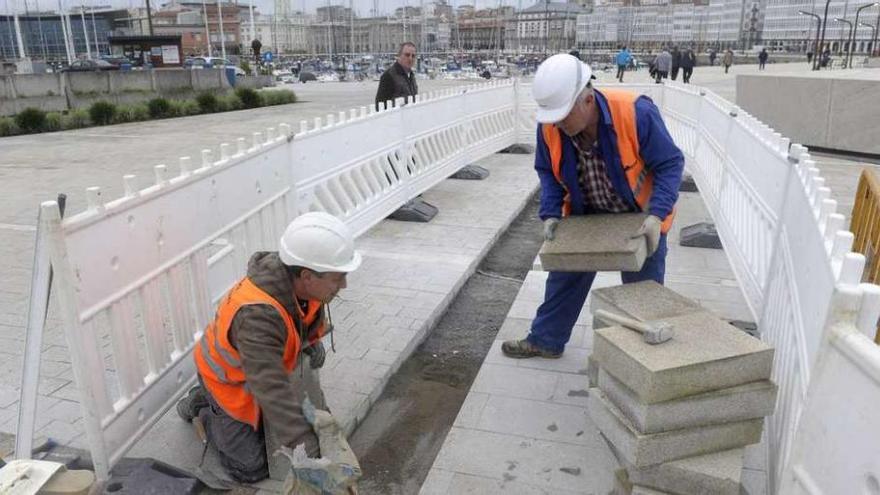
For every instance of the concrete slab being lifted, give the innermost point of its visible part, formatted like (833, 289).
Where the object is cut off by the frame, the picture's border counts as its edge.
(640, 450)
(684, 365)
(749, 401)
(589, 243)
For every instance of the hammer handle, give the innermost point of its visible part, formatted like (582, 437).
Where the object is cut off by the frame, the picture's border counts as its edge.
(615, 319)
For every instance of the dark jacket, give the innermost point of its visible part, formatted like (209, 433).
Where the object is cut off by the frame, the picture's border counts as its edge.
(688, 60)
(676, 58)
(260, 336)
(656, 147)
(396, 83)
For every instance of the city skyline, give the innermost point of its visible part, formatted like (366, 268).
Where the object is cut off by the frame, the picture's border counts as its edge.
(362, 8)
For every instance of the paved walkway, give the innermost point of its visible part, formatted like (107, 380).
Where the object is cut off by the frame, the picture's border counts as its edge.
(524, 427)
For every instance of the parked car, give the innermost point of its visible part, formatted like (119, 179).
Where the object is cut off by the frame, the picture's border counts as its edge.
(211, 63)
(117, 61)
(89, 66)
(304, 77)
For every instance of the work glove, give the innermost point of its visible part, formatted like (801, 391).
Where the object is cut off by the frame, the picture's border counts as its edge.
(651, 230)
(316, 355)
(550, 228)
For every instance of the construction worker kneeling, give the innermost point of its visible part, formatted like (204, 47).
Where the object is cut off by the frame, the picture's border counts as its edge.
(252, 382)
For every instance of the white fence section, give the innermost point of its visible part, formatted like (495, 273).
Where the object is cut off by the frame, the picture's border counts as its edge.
(788, 249)
(138, 277)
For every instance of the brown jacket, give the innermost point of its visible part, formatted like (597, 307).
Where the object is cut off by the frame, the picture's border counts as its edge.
(260, 336)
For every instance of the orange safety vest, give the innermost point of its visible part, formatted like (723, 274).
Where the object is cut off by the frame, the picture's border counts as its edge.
(219, 363)
(622, 105)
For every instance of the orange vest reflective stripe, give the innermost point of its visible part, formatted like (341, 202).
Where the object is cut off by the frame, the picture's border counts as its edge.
(219, 363)
(622, 106)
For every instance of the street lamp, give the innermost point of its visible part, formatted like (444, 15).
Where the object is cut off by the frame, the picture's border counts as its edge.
(873, 34)
(849, 51)
(824, 25)
(855, 28)
(816, 44)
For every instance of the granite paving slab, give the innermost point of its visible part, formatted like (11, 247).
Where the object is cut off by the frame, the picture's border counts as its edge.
(592, 243)
(684, 365)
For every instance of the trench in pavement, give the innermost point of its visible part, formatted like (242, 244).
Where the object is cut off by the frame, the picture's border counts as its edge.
(399, 438)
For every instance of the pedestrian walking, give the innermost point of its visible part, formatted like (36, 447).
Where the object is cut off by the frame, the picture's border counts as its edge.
(399, 81)
(598, 151)
(825, 61)
(662, 64)
(762, 58)
(727, 60)
(809, 56)
(623, 59)
(676, 62)
(688, 62)
(712, 55)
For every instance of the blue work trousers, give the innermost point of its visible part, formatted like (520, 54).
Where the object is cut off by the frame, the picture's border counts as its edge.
(566, 292)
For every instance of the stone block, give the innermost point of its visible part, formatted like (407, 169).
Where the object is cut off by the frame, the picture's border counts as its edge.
(415, 210)
(688, 184)
(644, 301)
(749, 401)
(587, 243)
(718, 473)
(706, 354)
(640, 450)
(471, 172)
(700, 235)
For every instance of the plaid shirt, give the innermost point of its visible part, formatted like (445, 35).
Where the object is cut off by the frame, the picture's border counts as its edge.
(599, 193)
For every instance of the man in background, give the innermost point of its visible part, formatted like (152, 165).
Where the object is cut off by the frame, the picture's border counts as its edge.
(399, 81)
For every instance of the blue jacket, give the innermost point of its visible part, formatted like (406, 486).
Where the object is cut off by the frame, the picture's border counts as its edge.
(623, 57)
(656, 147)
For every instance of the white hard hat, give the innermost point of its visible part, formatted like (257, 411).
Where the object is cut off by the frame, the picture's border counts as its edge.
(558, 82)
(320, 242)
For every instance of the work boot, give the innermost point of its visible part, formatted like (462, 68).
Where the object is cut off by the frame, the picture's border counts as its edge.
(520, 349)
(188, 406)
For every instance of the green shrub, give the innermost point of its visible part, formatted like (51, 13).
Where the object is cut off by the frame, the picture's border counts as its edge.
(229, 102)
(135, 112)
(102, 112)
(53, 121)
(245, 66)
(190, 107)
(159, 108)
(31, 120)
(208, 102)
(75, 119)
(175, 109)
(249, 97)
(8, 127)
(278, 97)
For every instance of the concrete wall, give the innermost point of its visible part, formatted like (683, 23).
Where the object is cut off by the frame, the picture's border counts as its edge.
(65, 91)
(816, 110)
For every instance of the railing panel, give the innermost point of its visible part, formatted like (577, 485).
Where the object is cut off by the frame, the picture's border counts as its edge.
(146, 271)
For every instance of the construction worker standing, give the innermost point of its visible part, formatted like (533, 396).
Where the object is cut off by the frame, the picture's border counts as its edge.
(598, 151)
(251, 381)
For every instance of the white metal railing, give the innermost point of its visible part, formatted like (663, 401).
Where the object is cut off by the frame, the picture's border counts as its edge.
(138, 277)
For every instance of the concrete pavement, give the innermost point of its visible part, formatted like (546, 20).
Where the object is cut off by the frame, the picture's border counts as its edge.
(524, 427)
(34, 168)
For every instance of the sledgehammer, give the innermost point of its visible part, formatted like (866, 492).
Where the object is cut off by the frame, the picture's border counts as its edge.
(653, 333)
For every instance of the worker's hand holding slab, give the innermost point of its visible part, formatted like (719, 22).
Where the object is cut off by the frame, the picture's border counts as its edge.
(587, 243)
